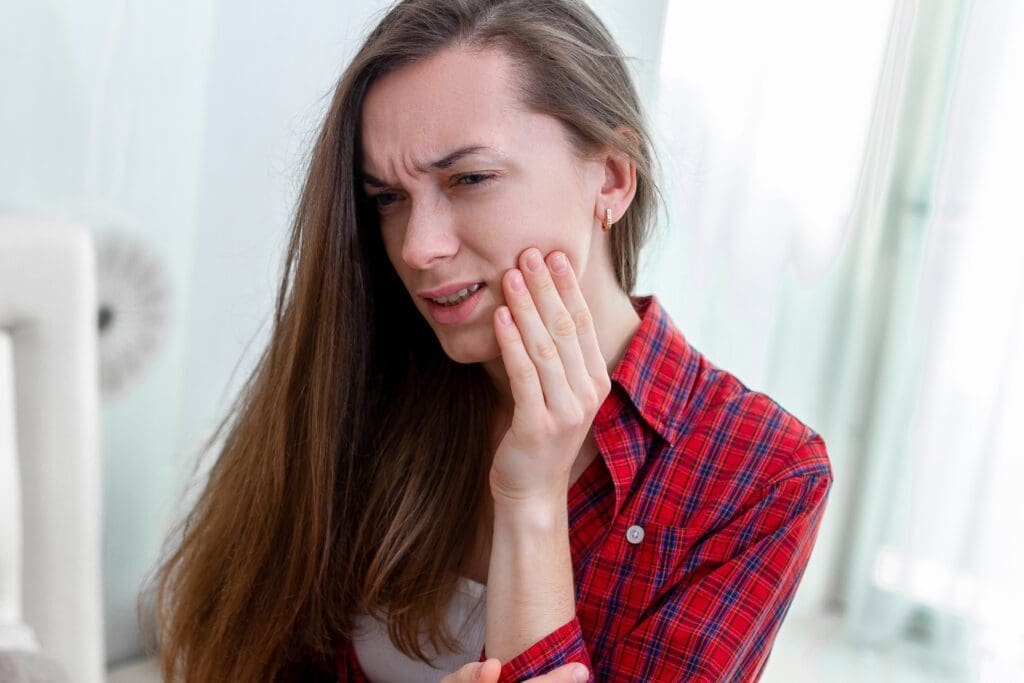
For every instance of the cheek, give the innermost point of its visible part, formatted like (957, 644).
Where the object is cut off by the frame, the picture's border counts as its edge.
(558, 207)
(531, 215)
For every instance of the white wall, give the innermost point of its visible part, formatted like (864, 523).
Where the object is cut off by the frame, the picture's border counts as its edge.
(102, 123)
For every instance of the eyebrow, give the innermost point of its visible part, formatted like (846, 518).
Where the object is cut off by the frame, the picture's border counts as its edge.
(441, 163)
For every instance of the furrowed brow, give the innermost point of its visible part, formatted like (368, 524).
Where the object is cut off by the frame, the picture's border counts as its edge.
(442, 163)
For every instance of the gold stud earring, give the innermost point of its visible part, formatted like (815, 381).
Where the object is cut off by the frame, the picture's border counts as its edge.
(607, 220)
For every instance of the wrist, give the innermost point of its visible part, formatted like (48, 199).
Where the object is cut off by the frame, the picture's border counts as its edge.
(551, 498)
(535, 514)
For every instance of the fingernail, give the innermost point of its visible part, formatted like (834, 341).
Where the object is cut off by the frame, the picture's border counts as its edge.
(517, 282)
(580, 674)
(559, 265)
(533, 261)
(504, 316)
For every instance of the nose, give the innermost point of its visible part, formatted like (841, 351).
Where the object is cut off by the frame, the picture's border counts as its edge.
(429, 236)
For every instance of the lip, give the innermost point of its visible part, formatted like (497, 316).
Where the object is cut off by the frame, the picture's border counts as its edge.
(454, 315)
(446, 290)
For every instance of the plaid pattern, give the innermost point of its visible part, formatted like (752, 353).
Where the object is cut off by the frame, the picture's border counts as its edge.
(728, 489)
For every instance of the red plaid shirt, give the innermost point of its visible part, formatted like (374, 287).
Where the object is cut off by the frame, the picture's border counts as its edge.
(691, 532)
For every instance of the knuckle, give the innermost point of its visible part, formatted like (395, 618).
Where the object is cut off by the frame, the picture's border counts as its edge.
(564, 326)
(521, 304)
(525, 373)
(547, 350)
(577, 416)
(582, 319)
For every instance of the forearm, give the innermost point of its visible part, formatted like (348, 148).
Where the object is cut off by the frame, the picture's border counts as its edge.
(530, 590)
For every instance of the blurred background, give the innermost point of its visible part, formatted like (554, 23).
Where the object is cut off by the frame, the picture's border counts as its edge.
(844, 232)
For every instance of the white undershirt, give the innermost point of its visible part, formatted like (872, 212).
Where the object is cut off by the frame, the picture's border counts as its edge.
(384, 663)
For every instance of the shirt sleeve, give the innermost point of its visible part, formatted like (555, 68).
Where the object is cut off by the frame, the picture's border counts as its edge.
(561, 646)
(719, 621)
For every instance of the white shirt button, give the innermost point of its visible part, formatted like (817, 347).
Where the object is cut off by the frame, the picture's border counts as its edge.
(635, 534)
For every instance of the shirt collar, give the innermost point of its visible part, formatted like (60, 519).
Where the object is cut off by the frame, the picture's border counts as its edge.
(654, 380)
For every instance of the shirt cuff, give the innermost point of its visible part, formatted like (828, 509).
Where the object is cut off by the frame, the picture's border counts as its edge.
(561, 646)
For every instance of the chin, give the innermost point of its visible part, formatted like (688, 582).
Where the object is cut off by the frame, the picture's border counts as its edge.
(472, 348)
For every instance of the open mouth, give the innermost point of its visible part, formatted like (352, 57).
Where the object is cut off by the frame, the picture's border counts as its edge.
(458, 297)
(459, 307)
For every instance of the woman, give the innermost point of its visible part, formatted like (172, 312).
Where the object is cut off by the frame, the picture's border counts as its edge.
(415, 482)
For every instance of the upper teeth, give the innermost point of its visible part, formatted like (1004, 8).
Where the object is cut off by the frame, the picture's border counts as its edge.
(457, 295)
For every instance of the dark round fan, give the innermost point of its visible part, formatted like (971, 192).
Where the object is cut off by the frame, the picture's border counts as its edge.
(132, 294)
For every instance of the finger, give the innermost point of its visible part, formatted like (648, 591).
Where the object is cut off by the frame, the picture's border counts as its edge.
(538, 344)
(522, 373)
(547, 297)
(475, 672)
(574, 672)
(586, 334)
(489, 671)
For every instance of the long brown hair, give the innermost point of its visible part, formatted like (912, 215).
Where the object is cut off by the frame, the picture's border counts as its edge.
(355, 459)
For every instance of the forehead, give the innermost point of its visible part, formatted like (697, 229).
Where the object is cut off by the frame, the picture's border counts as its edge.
(423, 110)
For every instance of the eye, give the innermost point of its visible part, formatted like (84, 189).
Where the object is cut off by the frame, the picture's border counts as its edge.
(476, 178)
(380, 199)
(384, 200)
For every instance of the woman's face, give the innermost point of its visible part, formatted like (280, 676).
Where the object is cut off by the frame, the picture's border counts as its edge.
(465, 180)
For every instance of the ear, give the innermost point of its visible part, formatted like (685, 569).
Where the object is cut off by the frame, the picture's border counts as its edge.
(619, 180)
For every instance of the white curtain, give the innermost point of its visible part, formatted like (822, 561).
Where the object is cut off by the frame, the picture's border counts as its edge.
(845, 234)
(763, 117)
(936, 565)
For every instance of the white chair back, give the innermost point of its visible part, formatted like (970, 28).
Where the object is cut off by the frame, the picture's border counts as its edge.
(50, 477)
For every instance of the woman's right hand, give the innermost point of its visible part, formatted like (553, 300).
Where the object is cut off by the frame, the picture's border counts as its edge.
(487, 672)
